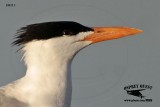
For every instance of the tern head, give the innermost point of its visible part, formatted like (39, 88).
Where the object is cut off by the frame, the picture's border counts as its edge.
(66, 38)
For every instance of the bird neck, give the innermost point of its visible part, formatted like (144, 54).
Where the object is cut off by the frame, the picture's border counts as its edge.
(48, 77)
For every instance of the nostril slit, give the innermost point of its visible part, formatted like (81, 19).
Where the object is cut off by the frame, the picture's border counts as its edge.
(99, 31)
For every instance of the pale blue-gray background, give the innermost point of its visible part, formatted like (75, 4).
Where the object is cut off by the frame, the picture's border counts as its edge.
(99, 71)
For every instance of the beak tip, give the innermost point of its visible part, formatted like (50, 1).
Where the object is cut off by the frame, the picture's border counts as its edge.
(140, 31)
(137, 31)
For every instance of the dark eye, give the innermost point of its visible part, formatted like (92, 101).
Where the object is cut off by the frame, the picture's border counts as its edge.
(64, 33)
(67, 32)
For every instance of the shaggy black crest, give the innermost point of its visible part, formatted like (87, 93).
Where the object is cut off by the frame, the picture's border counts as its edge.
(47, 30)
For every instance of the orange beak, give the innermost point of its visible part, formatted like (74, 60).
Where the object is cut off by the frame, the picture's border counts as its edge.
(109, 33)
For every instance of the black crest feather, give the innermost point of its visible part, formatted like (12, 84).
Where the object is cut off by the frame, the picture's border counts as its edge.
(47, 30)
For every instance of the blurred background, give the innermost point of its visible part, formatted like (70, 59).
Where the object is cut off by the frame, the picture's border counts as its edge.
(101, 71)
